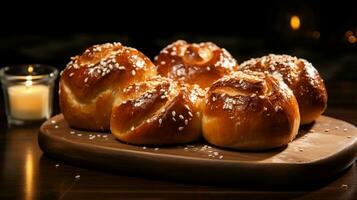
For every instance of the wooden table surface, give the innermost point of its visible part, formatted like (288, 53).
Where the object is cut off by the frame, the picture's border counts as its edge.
(27, 174)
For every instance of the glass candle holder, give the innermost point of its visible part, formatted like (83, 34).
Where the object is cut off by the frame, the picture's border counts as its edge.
(28, 92)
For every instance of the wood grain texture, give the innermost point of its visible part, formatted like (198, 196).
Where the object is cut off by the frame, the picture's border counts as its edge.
(320, 151)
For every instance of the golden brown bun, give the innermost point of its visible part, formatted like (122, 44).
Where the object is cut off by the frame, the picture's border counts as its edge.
(158, 111)
(302, 78)
(250, 111)
(200, 64)
(90, 81)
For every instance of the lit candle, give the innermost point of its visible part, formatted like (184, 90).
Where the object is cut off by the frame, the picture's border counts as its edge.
(28, 92)
(29, 102)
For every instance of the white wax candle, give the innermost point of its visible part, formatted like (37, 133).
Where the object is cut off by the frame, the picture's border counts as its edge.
(29, 102)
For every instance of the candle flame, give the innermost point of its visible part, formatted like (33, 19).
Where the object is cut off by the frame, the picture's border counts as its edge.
(295, 22)
(30, 69)
(28, 83)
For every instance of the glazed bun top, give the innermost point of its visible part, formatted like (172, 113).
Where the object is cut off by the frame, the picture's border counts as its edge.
(200, 64)
(103, 67)
(250, 110)
(302, 78)
(291, 68)
(248, 90)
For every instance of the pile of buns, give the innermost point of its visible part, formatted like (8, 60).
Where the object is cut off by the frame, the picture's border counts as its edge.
(190, 91)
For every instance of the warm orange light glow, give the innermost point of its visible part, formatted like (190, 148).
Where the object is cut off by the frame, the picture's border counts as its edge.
(30, 69)
(352, 39)
(29, 169)
(316, 34)
(295, 22)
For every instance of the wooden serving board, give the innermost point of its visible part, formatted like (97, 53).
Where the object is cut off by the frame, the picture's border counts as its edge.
(320, 151)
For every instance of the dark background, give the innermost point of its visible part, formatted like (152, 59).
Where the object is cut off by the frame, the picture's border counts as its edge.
(51, 32)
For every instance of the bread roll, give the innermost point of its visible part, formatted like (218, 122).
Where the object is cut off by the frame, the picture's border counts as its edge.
(250, 111)
(90, 81)
(302, 78)
(158, 111)
(200, 64)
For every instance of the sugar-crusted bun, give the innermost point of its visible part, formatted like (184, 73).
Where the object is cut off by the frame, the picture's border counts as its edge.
(200, 64)
(250, 111)
(157, 111)
(302, 78)
(90, 81)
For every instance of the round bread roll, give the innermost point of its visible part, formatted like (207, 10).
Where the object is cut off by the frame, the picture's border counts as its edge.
(90, 81)
(250, 111)
(302, 78)
(200, 64)
(158, 111)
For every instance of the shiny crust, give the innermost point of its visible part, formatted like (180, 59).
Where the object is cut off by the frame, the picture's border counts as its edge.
(158, 111)
(194, 89)
(304, 80)
(250, 111)
(89, 82)
(200, 64)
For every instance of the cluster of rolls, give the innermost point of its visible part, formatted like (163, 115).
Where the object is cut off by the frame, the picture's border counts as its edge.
(188, 91)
